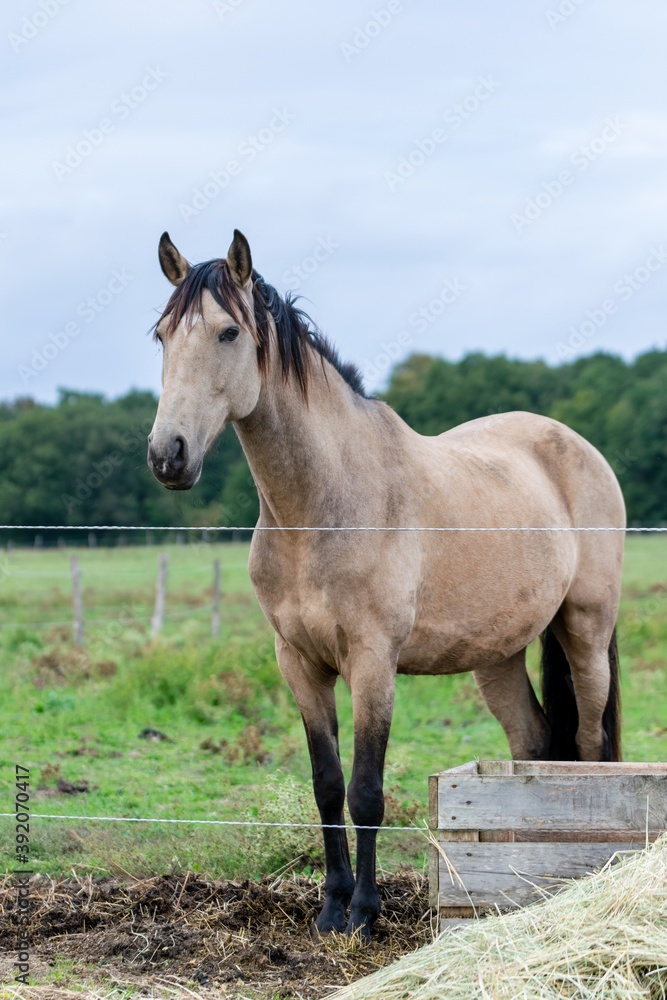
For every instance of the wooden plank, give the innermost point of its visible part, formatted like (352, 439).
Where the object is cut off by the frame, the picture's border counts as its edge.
(501, 874)
(498, 836)
(433, 877)
(540, 767)
(435, 858)
(495, 767)
(433, 801)
(453, 917)
(584, 836)
(433, 855)
(458, 836)
(472, 767)
(558, 802)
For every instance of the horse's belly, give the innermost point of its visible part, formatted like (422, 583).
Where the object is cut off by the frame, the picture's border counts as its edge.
(444, 653)
(453, 651)
(461, 639)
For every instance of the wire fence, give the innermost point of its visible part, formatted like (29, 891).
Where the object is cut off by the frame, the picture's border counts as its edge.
(221, 822)
(263, 527)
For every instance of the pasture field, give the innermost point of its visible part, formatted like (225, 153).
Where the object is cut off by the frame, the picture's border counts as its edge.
(235, 747)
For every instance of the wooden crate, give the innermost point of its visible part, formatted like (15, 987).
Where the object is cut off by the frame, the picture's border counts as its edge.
(512, 828)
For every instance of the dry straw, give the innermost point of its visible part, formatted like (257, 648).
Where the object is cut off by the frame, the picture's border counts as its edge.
(604, 936)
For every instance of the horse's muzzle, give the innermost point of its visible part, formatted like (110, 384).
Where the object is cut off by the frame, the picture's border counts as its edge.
(170, 466)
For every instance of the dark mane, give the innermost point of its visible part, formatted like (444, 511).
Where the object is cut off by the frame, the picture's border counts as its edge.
(295, 331)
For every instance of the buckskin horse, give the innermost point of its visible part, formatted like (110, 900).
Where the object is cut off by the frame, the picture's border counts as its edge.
(364, 605)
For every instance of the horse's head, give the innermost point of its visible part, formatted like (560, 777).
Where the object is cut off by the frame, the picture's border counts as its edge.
(210, 370)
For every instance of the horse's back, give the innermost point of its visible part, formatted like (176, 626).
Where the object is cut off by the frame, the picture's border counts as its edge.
(547, 463)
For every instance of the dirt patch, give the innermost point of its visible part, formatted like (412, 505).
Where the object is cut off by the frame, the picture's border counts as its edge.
(228, 936)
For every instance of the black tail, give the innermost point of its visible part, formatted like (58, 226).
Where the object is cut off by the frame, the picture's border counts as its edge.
(560, 706)
(558, 699)
(611, 720)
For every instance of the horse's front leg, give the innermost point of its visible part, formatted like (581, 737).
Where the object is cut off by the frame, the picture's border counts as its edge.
(314, 694)
(372, 683)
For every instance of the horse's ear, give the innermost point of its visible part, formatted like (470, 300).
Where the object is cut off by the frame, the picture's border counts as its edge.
(239, 260)
(174, 265)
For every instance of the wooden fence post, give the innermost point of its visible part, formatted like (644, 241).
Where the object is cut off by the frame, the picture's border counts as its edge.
(215, 619)
(77, 599)
(160, 590)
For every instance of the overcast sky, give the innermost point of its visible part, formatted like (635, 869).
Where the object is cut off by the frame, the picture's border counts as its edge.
(433, 176)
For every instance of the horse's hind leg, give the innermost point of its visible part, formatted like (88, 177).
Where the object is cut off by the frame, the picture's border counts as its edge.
(314, 694)
(585, 634)
(507, 691)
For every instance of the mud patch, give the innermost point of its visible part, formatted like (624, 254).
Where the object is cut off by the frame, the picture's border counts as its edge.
(218, 935)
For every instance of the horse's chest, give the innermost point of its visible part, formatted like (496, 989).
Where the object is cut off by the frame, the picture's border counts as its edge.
(324, 602)
(309, 623)
(298, 611)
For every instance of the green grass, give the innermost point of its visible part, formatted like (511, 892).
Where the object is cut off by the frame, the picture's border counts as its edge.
(236, 747)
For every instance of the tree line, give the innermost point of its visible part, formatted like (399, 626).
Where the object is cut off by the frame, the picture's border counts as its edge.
(83, 460)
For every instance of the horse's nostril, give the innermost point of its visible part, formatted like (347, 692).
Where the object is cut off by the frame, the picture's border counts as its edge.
(179, 455)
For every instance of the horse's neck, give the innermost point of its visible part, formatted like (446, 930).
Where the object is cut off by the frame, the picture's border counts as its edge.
(297, 452)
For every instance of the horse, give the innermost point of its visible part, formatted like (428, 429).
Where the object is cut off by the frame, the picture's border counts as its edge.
(350, 562)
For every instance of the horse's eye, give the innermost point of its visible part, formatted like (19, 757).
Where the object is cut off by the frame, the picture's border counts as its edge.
(231, 333)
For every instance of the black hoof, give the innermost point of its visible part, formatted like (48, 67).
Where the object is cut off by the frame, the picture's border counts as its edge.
(332, 918)
(360, 928)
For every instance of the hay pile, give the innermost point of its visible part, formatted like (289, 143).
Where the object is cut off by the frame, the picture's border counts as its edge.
(603, 937)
